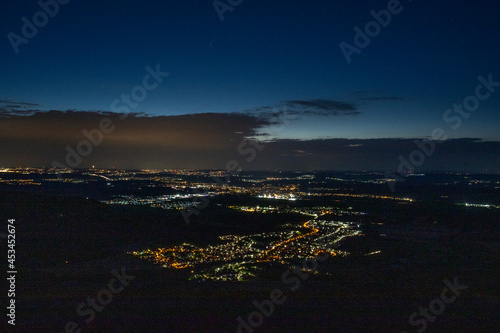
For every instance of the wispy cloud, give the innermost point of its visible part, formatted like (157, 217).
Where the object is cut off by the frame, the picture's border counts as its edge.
(6, 101)
(323, 106)
(381, 98)
(9, 108)
(313, 107)
(366, 96)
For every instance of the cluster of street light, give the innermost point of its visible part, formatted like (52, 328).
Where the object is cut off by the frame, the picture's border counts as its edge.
(241, 257)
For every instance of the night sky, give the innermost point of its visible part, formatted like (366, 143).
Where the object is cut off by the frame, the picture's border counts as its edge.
(273, 71)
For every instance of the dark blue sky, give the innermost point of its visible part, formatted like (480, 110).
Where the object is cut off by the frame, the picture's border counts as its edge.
(264, 54)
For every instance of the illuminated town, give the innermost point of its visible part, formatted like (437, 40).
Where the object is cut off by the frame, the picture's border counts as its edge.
(240, 257)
